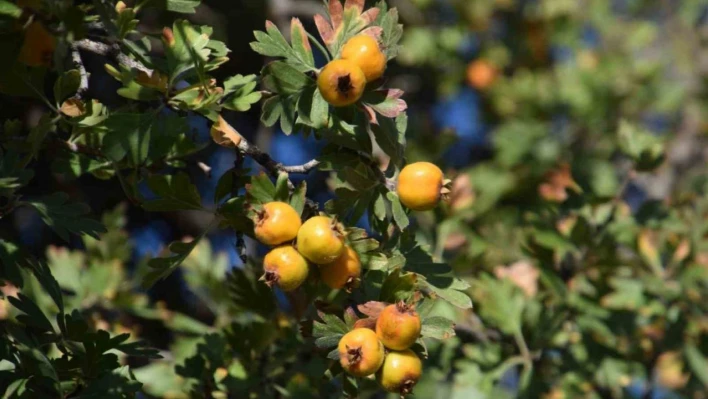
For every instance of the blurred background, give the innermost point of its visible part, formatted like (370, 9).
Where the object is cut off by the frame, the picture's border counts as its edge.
(520, 101)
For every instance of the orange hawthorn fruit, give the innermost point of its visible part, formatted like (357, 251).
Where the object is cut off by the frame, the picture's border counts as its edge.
(400, 372)
(276, 223)
(343, 272)
(420, 185)
(481, 74)
(398, 326)
(360, 352)
(321, 240)
(285, 267)
(341, 83)
(364, 51)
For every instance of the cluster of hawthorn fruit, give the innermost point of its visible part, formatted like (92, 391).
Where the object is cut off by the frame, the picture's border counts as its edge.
(320, 240)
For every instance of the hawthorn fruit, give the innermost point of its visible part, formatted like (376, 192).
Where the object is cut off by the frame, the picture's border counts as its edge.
(276, 223)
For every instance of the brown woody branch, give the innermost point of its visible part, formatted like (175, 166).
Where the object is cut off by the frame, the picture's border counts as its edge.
(84, 83)
(274, 168)
(112, 51)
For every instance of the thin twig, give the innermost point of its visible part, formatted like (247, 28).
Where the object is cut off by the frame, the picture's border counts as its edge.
(301, 169)
(205, 168)
(113, 51)
(84, 83)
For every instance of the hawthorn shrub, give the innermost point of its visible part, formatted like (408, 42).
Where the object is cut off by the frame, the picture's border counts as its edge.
(557, 183)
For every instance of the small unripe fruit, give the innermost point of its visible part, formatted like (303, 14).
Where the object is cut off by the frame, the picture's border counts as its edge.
(360, 352)
(341, 83)
(320, 240)
(420, 185)
(398, 326)
(38, 46)
(343, 272)
(276, 223)
(400, 372)
(364, 51)
(285, 267)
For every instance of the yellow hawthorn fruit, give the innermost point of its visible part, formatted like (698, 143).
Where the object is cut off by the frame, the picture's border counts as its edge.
(481, 74)
(400, 372)
(320, 240)
(343, 272)
(364, 51)
(420, 185)
(276, 223)
(38, 46)
(341, 83)
(285, 267)
(360, 352)
(398, 326)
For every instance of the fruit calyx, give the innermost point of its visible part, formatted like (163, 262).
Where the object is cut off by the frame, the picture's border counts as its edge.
(270, 278)
(354, 355)
(344, 85)
(403, 307)
(407, 387)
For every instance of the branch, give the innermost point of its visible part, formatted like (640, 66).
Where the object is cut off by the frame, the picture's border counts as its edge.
(113, 51)
(273, 167)
(84, 84)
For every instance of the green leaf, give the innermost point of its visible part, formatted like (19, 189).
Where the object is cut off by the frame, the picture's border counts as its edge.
(301, 44)
(181, 6)
(698, 362)
(66, 85)
(65, 217)
(272, 43)
(298, 199)
(643, 147)
(11, 260)
(33, 315)
(239, 93)
(249, 294)
(282, 78)
(329, 331)
(14, 175)
(392, 31)
(437, 327)
(39, 133)
(73, 165)
(399, 214)
(160, 268)
(398, 286)
(282, 191)
(189, 50)
(279, 108)
(8, 9)
(127, 135)
(387, 103)
(261, 189)
(176, 192)
(503, 303)
(390, 138)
